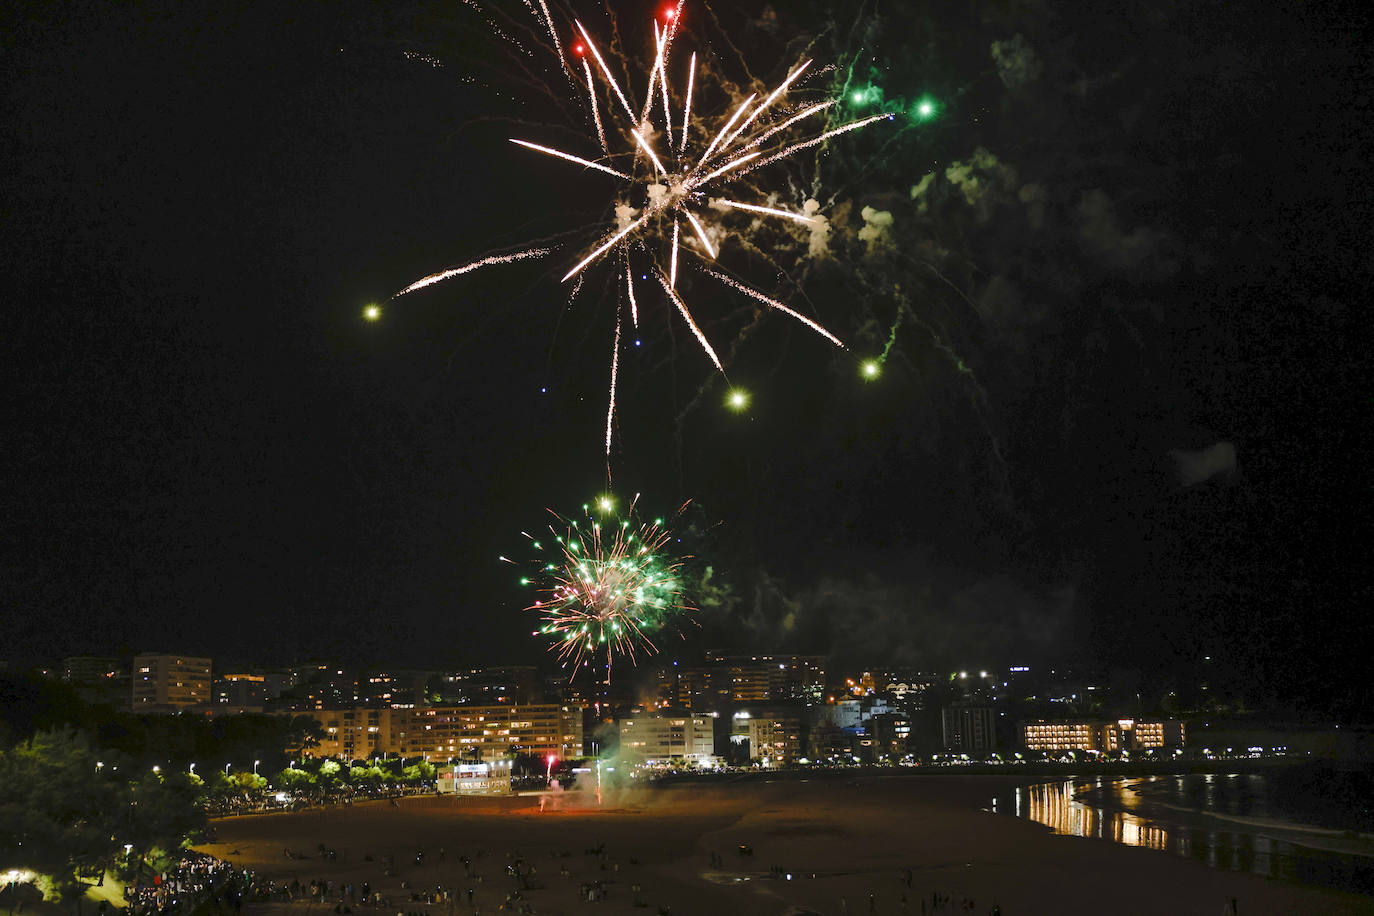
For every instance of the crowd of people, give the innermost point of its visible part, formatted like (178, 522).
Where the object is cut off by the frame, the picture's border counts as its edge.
(192, 882)
(258, 803)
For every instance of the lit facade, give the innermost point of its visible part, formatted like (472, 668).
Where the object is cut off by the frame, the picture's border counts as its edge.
(360, 733)
(451, 732)
(1140, 734)
(240, 690)
(166, 683)
(1062, 736)
(494, 732)
(658, 738)
(751, 679)
(518, 684)
(774, 735)
(1106, 737)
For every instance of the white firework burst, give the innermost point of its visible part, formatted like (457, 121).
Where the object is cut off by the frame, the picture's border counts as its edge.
(670, 167)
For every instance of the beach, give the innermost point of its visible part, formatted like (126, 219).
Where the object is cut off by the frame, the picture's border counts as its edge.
(832, 847)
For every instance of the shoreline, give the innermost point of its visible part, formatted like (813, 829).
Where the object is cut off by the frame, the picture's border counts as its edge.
(1295, 833)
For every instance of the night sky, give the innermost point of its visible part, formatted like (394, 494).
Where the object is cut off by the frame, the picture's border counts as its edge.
(1122, 420)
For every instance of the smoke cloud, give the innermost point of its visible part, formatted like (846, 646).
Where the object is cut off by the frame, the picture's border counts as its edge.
(1138, 250)
(920, 621)
(877, 229)
(1016, 62)
(1203, 464)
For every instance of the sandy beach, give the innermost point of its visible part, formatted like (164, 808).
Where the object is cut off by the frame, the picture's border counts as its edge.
(849, 847)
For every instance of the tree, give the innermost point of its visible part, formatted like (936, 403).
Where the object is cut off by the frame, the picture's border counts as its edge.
(420, 772)
(57, 808)
(163, 813)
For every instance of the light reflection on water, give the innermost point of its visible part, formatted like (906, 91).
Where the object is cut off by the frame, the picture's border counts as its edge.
(1144, 812)
(1053, 805)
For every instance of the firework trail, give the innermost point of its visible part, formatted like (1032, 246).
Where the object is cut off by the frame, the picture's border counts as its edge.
(606, 586)
(468, 268)
(661, 182)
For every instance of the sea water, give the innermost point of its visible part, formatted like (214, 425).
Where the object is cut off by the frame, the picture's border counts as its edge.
(1228, 822)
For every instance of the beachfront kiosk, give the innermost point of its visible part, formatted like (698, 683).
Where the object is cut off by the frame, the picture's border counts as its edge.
(476, 779)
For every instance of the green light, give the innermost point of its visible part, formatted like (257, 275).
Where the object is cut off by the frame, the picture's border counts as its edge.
(372, 312)
(925, 109)
(858, 98)
(871, 369)
(737, 399)
(524, 581)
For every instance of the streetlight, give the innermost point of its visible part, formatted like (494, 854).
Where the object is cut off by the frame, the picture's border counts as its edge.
(226, 771)
(255, 767)
(193, 769)
(98, 765)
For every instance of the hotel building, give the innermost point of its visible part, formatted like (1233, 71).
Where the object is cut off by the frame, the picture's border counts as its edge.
(1106, 737)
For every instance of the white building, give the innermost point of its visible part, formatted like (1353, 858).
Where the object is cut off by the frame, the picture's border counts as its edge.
(657, 739)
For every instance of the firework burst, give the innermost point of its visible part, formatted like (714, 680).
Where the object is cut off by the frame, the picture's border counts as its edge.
(606, 586)
(673, 173)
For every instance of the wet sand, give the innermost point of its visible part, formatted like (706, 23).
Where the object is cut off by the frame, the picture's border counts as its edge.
(840, 841)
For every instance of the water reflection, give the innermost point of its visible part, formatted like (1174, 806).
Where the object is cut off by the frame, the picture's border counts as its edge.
(1164, 814)
(1053, 805)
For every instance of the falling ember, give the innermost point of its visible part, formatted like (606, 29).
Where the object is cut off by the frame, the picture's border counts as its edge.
(615, 369)
(606, 587)
(672, 264)
(691, 322)
(771, 211)
(701, 234)
(775, 304)
(570, 157)
(468, 268)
